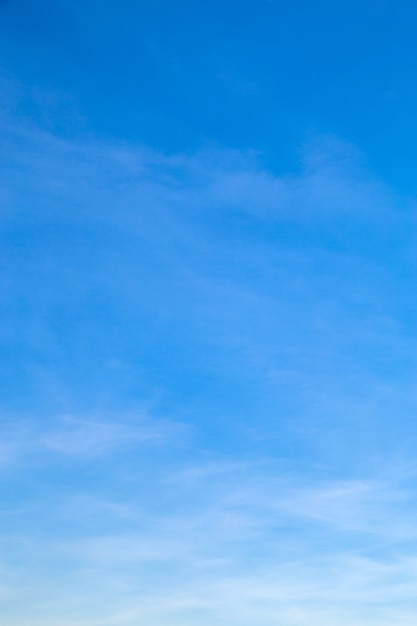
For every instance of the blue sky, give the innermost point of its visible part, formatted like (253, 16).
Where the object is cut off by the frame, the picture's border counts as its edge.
(208, 313)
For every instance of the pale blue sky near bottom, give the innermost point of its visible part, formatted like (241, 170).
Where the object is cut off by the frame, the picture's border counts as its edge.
(208, 319)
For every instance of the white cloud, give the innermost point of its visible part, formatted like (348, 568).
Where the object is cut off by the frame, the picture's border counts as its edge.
(26, 442)
(232, 540)
(93, 437)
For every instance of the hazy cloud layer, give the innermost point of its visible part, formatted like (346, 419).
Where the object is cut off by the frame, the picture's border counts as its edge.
(264, 322)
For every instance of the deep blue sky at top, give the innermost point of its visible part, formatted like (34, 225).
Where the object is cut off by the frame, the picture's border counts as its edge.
(245, 74)
(178, 76)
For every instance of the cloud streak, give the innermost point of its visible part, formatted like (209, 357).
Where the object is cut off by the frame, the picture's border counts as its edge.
(237, 553)
(261, 319)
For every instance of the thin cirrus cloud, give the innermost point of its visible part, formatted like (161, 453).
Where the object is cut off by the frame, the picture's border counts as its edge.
(90, 437)
(261, 317)
(86, 439)
(233, 554)
(246, 276)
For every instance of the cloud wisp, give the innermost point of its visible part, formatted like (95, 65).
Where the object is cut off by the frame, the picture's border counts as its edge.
(231, 551)
(262, 318)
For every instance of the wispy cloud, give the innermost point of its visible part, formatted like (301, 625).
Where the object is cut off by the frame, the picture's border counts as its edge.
(91, 437)
(233, 554)
(256, 310)
(29, 440)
